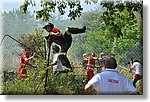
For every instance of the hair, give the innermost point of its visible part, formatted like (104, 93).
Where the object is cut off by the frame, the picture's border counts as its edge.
(51, 24)
(56, 48)
(27, 48)
(135, 60)
(111, 63)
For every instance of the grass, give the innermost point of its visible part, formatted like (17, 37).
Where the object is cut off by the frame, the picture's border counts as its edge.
(62, 84)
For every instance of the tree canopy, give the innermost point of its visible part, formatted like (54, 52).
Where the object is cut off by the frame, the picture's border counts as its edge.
(48, 7)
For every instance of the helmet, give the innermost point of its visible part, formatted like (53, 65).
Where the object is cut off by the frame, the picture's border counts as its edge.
(84, 54)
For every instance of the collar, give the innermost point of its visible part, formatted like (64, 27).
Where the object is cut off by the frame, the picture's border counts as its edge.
(112, 70)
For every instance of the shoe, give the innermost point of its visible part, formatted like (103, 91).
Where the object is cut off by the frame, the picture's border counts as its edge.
(84, 28)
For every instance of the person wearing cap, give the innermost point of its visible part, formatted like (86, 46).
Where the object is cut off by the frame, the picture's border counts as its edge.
(138, 71)
(84, 62)
(101, 62)
(91, 66)
(24, 63)
(110, 81)
(64, 40)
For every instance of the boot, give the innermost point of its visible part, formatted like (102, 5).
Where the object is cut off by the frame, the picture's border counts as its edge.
(77, 30)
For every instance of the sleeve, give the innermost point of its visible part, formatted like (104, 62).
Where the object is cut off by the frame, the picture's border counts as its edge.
(55, 30)
(95, 82)
(130, 88)
(24, 56)
(55, 58)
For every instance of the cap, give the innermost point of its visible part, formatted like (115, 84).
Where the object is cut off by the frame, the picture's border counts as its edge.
(49, 24)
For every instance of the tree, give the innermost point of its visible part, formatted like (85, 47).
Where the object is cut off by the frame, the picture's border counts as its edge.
(49, 7)
(114, 12)
(122, 35)
(16, 23)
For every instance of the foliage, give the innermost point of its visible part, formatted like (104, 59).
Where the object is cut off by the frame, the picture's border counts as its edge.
(123, 38)
(114, 12)
(116, 30)
(49, 7)
(35, 41)
(61, 84)
(15, 23)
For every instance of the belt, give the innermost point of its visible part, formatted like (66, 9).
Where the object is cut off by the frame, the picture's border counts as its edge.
(23, 65)
(62, 53)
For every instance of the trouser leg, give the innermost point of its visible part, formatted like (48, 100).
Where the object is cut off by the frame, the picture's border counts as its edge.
(72, 30)
(135, 80)
(65, 62)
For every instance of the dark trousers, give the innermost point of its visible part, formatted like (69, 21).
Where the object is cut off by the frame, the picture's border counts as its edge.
(64, 48)
(136, 79)
(67, 41)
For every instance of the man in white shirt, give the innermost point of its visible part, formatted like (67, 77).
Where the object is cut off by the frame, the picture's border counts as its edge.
(57, 65)
(110, 81)
(138, 71)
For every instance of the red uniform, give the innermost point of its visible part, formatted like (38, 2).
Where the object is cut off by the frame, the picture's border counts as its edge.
(90, 67)
(55, 30)
(22, 71)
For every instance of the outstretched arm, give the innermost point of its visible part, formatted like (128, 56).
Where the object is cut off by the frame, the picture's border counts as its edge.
(27, 59)
(88, 89)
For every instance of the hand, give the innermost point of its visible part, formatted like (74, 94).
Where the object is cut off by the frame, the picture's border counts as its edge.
(34, 54)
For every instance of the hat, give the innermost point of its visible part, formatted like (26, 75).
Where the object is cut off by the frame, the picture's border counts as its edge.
(49, 24)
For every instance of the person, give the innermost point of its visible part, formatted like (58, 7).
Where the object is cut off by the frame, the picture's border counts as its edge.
(101, 62)
(90, 66)
(57, 65)
(138, 71)
(85, 61)
(24, 63)
(64, 40)
(110, 81)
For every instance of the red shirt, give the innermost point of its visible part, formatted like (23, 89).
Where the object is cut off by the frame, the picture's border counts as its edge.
(55, 30)
(56, 39)
(91, 62)
(22, 59)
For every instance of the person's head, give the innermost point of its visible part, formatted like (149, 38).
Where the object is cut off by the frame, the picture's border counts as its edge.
(48, 27)
(55, 49)
(111, 63)
(93, 54)
(102, 54)
(135, 60)
(27, 50)
(84, 55)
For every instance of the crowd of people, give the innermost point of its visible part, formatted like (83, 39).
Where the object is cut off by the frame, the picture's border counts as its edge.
(106, 80)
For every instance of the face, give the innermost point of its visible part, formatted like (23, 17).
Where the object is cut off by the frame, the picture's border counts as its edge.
(48, 29)
(93, 54)
(27, 51)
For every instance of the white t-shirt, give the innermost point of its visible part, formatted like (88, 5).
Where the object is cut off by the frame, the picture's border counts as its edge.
(138, 68)
(58, 66)
(111, 82)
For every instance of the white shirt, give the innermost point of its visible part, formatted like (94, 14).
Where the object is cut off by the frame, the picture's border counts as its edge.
(58, 66)
(138, 68)
(111, 82)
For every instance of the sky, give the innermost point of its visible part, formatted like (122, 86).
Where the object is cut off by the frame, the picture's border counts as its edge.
(7, 5)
